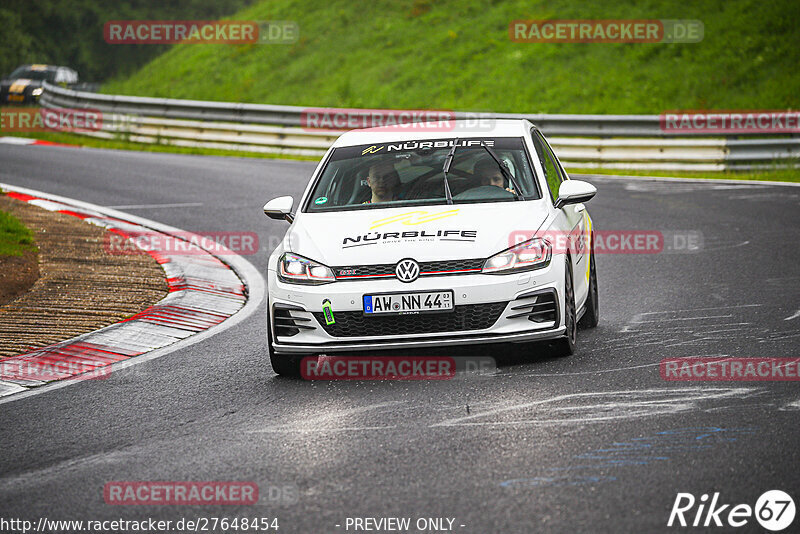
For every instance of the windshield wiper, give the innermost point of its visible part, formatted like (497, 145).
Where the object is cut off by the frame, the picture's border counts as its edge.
(448, 160)
(504, 170)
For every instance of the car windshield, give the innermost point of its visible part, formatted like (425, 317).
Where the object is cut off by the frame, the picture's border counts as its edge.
(410, 172)
(33, 74)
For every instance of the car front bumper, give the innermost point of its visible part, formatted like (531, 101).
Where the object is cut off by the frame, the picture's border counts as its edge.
(446, 340)
(510, 296)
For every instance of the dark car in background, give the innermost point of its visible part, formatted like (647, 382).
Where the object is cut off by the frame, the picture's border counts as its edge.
(24, 85)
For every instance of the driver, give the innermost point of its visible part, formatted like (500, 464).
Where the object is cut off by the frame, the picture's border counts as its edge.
(490, 174)
(384, 182)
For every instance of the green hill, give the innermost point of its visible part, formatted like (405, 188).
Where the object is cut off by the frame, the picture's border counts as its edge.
(458, 55)
(70, 32)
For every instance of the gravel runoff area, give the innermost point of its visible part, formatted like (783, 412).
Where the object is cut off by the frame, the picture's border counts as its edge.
(81, 286)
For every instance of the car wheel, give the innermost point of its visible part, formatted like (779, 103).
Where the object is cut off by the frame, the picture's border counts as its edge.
(566, 345)
(283, 365)
(592, 314)
(286, 365)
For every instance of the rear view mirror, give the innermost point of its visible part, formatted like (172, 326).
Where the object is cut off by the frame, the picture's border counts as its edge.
(280, 208)
(574, 192)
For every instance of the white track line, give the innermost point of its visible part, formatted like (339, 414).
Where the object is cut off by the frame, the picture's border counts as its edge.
(314, 424)
(677, 399)
(703, 309)
(792, 406)
(149, 206)
(251, 277)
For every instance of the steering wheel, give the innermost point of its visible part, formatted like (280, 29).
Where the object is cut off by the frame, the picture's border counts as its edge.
(484, 192)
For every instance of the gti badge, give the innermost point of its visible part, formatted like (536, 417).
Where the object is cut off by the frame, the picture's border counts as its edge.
(407, 270)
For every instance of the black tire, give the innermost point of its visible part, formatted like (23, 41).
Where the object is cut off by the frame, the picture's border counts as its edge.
(283, 365)
(566, 345)
(592, 314)
(286, 365)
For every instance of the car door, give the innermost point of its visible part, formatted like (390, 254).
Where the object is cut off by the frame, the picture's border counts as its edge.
(575, 219)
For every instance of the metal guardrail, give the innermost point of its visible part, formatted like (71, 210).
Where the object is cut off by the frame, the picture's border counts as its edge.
(581, 141)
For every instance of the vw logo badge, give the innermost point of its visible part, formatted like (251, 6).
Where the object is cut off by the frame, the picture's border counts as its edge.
(407, 270)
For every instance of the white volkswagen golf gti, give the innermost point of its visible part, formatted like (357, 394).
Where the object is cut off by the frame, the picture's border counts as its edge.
(427, 237)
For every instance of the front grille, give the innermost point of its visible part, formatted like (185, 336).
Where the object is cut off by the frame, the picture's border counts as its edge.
(451, 265)
(363, 271)
(537, 306)
(426, 268)
(462, 318)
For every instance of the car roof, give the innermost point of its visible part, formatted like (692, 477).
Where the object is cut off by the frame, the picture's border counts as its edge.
(39, 66)
(44, 68)
(468, 128)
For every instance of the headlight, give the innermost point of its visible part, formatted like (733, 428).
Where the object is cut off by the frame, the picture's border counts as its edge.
(37, 91)
(529, 255)
(296, 269)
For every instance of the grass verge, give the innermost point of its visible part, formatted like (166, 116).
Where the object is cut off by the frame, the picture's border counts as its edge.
(773, 175)
(15, 238)
(120, 144)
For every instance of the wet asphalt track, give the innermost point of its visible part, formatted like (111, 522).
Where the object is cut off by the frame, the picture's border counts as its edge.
(596, 442)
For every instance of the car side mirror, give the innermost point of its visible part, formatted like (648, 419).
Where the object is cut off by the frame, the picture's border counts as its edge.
(280, 208)
(574, 192)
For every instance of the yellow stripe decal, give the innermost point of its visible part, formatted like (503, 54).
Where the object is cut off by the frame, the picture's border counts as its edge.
(19, 86)
(589, 238)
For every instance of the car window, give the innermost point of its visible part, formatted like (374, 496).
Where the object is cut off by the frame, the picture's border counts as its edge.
(33, 74)
(551, 171)
(410, 172)
(561, 172)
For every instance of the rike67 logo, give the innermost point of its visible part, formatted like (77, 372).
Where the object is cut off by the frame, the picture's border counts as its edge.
(774, 511)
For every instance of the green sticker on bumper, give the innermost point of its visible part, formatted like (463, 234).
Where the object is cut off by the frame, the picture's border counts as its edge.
(328, 312)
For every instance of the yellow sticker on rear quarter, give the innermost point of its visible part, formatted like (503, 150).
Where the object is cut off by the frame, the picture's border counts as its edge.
(591, 245)
(19, 86)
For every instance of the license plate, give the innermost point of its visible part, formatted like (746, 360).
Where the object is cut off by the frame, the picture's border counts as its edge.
(16, 98)
(408, 303)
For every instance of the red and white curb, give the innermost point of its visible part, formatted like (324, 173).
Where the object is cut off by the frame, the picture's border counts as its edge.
(205, 296)
(29, 141)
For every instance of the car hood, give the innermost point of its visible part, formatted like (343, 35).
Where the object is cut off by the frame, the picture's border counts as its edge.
(429, 233)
